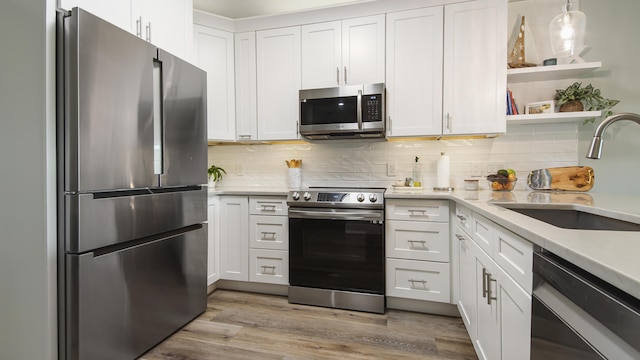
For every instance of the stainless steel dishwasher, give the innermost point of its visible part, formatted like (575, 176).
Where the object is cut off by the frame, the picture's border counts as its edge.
(576, 315)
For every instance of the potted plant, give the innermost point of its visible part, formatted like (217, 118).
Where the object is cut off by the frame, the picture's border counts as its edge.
(578, 98)
(215, 174)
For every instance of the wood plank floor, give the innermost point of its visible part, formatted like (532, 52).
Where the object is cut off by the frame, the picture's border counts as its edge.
(240, 325)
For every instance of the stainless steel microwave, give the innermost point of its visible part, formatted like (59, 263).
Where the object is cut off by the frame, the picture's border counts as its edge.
(352, 111)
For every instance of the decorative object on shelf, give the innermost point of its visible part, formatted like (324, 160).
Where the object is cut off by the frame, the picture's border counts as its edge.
(578, 98)
(294, 175)
(567, 34)
(568, 178)
(540, 107)
(416, 175)
(517, 57)
(215, 174)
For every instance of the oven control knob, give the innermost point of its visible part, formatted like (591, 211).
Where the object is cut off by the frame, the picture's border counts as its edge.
(295, 196)
(360, 197)
(373, 198)
(307, 196)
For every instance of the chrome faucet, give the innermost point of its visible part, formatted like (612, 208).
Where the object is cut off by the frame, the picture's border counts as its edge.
(595, 150)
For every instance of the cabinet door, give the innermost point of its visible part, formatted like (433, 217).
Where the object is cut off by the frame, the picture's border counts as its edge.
(278, 71)
(363, 49)
(214, 54)
(417, 240)
(487, 341)
(117, 12)
(414, 72)
(165, 23)
(213, 247)
(475, 42)
(246, 88)
(269, 266)
(321, 55)
(467, 303)
(234, 238)
(514, 308)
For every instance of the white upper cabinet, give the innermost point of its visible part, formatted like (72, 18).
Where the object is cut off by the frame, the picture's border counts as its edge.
(117, 12)
(246, 88)
(165, 23)
(214, 53)
(278, 83)
(343, 52)
(414, 72)
(475, 53)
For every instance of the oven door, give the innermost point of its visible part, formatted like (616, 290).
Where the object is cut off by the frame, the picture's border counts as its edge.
(337, 249)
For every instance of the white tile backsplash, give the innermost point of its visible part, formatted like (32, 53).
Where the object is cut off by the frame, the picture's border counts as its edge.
(364, 163)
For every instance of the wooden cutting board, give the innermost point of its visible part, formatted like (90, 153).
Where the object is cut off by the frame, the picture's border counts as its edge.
(569, 178)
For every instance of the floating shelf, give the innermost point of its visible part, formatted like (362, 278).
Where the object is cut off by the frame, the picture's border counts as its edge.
(552, 72)
(553, 118)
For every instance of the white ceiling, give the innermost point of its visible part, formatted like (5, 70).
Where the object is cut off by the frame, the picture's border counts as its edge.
(236, 9)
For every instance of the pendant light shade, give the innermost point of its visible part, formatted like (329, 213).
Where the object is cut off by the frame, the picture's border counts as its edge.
(567, 33)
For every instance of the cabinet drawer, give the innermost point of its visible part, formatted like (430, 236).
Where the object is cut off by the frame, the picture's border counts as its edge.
(515, 255)
(420, 280)
(269, 266)
(483, 233)
(269, 232)
(464, 219)
(268, 205)
(421, 210)
(417, 240)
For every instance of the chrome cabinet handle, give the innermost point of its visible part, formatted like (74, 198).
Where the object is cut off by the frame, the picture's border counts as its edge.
(390, 125)
(268, 235)
(412, 211)
(462, 218)
(489, 280)
(447, 121)
(266, 267)
(345, 77)
(484, 282)
(139, 27)
(460, 237)
(244, 136)
(268, 207)
(422, 242)
(413, 281)
(338, 75)
(148, 29)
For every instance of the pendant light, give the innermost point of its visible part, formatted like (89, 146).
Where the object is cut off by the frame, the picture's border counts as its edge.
(567, 34)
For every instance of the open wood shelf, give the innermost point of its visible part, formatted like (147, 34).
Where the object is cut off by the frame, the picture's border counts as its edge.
(552, 72)
(552, 118)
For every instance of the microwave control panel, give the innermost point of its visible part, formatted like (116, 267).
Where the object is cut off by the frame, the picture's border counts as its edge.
(372, 108)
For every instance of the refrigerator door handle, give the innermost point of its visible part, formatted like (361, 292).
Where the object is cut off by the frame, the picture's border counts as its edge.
(158, 123)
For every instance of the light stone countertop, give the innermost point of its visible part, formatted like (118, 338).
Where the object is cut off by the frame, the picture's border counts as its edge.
(614, 256)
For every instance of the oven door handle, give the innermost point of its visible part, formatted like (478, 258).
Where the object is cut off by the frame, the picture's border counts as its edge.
(336, 214)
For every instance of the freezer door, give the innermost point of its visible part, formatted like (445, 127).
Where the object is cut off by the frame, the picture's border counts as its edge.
(108, 106)
(184, 122)
(122, 303)
(97, 220)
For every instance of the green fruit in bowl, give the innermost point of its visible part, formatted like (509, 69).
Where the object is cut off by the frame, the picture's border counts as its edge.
(503, 172)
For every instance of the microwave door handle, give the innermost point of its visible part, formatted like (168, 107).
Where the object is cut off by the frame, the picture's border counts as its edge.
(359, 109)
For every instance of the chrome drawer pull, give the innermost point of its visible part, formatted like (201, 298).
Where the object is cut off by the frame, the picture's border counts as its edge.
(489, 280)
(460, 237)
(413, 281)
(462, 218)
(267, 267)
(421, 242)
(422, 212)
(268, 207)
(268, 235)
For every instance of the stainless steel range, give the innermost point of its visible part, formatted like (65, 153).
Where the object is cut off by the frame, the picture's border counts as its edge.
(336, 248)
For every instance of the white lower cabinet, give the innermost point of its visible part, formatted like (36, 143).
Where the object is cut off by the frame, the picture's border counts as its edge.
(213, 243)
(254, 239)
(495, 288)
(234, 238)
(417, 250)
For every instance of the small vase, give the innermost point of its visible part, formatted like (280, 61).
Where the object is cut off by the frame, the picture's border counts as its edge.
(572, 106)
(212, 184)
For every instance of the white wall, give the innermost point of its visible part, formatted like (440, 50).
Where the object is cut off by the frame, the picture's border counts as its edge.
(27, 193)
(364, 163)
(612, 33)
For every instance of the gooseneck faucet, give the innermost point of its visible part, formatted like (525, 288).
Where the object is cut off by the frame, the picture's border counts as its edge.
(595, 150)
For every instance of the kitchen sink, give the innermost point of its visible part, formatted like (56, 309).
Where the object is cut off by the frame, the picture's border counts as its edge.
(571, 218)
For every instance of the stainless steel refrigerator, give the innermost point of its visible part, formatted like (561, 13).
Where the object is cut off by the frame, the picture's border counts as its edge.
(132, 155)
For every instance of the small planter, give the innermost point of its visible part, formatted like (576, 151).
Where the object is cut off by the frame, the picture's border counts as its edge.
(572, 106)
